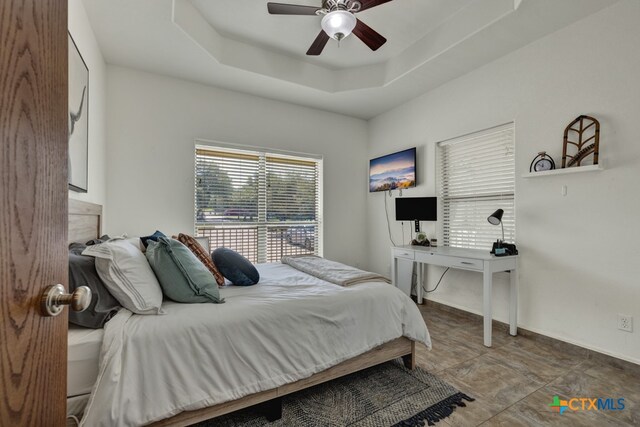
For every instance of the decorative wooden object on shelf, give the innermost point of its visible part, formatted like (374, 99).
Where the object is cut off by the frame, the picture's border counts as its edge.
(588, 133)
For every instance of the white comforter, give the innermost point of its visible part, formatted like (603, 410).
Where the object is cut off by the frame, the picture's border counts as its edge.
(288, 327)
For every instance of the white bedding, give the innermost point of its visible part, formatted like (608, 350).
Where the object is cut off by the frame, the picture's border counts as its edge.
(82, 359)
(288, 327)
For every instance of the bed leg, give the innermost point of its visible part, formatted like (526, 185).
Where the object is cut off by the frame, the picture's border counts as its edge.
(410, 359)
(273, 409)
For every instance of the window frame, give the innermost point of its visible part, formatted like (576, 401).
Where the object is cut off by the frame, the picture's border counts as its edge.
(262, 221)
(510, 233)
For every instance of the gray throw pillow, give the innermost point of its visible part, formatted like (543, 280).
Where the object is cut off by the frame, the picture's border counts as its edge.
(182, 276)
(82, 272)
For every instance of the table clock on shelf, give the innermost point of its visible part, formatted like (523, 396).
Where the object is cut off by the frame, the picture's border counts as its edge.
(542, 162)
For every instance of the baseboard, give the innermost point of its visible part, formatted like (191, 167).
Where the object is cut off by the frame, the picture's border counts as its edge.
(595, 352)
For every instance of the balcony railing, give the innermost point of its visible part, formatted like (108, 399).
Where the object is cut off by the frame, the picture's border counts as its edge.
(281, 240)
(290, 240)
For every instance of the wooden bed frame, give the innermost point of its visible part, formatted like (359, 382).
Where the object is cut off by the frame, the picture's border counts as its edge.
(85, 223)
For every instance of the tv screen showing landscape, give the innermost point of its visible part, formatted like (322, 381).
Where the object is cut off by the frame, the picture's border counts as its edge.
(394, 171)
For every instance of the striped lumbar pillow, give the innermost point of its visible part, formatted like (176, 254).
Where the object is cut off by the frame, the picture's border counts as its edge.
(202, 255)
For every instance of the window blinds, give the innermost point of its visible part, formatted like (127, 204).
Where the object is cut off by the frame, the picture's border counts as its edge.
(263, 205)
(477, 176)
(292, 189)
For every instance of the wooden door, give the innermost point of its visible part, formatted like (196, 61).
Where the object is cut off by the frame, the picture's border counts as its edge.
(33, 209)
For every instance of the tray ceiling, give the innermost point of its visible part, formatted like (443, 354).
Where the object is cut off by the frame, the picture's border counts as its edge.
(402, 22)
(237, 45)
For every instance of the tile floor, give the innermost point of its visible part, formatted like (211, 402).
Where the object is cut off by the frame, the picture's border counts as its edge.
(515, 380)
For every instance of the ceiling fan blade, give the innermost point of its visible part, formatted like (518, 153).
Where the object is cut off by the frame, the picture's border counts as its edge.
(368, 4)
(291, 9)
(368, 35)
(318, 44)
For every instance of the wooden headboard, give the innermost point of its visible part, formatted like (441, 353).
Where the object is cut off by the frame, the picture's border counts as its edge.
(85, 221)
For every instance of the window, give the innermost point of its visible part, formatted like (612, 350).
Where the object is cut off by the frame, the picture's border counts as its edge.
(477, 176)
(263, 205)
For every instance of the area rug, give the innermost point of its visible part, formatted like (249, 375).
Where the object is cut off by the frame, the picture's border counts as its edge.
(385, 395)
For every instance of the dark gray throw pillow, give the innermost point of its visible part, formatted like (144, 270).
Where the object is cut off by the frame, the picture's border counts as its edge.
(235, 267)
(82, 272)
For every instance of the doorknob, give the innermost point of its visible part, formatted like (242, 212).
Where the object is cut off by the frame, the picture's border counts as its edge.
(54, 299)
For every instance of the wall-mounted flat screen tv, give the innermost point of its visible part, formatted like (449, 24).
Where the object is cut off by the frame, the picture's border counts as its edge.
(393, 171)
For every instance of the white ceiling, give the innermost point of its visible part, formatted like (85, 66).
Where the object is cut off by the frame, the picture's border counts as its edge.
(402, 23)
(237, 45)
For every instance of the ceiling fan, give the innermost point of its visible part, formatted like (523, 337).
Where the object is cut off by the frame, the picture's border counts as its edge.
(338, 21)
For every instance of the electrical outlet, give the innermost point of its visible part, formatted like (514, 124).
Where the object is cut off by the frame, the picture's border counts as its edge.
(625, 323)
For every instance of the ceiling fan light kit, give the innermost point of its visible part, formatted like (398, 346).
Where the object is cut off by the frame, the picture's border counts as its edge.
(338, 24)
(338, 21)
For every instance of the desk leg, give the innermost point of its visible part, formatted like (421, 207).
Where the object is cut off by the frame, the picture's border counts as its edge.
(419, 280)
(487, 285)
(513, 304)
(394, 262)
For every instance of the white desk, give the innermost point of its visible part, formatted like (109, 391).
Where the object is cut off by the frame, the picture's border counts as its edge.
(464, 259)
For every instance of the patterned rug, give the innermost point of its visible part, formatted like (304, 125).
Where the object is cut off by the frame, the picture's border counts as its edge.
(385, 395)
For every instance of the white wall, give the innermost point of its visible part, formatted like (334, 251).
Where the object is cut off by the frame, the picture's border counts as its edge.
(154, 120)
(85, 39)
(579, 265)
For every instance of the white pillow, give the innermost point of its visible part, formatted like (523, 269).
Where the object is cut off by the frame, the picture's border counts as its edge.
(126, 273)
(135, 241)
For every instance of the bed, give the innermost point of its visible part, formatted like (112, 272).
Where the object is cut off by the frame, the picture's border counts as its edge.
(82, 366)
(340, 331)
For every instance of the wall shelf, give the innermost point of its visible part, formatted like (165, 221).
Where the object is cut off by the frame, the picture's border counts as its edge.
(579, 169)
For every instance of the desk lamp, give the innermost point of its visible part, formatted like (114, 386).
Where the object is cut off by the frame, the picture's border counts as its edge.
(496, 218)
(500, 248)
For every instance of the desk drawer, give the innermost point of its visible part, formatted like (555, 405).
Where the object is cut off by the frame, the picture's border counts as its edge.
(451, 261)
(471, 264)
(404, 253)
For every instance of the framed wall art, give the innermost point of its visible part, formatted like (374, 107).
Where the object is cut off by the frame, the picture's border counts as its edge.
(78, 120)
